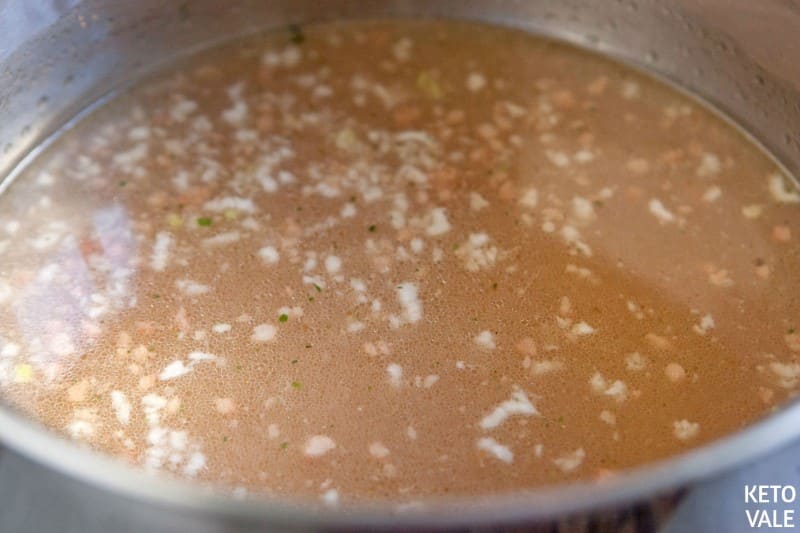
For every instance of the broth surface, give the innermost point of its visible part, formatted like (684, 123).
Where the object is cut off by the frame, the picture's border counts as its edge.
(397, 260)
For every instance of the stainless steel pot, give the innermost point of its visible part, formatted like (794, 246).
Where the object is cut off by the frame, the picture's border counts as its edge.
(58, 57)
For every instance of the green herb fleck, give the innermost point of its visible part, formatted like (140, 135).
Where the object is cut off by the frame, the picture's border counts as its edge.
(791, 331)
(310, 298)
(296, 385)
(204, 221)
(122, 183)
(284, 445)
(225, 438)
(283, 318)
(155, 295)
(319, 289)
(371, 228)
(494, 285)
(174, 220)
(429, 85)
(295, 361)
(238, 367)
(308, 346)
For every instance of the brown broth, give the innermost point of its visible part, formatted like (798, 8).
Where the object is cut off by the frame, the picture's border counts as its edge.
(397, 260)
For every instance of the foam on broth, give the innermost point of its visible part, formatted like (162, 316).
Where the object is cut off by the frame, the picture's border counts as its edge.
(396, 260)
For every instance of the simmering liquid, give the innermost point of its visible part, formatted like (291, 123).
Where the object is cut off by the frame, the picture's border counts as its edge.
(398, 260)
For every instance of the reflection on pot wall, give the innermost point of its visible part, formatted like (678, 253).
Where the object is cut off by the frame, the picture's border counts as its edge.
(59, 304)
